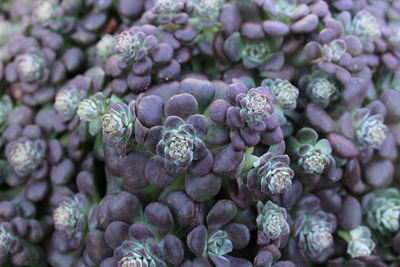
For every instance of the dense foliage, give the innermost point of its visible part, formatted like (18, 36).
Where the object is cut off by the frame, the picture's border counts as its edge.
(199, 133)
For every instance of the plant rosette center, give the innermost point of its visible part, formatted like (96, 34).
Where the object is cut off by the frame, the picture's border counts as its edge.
(313, 162)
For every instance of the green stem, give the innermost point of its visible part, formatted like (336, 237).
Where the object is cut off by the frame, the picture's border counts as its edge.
(247, 163)
(114, 183)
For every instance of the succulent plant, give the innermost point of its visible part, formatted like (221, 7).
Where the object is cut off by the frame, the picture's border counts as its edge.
(384, 210)
(139, 133)
(255, 53)
(365, 26)
(271, 220)
(31, 67)
(133, 44)
(318, 235)
(6, 240)
(285, 93)
(314, 155)
(167, 6)
(209, 9)
(271, 174)
(137, 255)
(180, 144)
(334, 50)
(92, 108)
(255, 107)
(25, 156)
(370, 129)
(218, 244)
(321, 90)
(360, 243)
(281, 10)
(313, 229)
(69, 216)
(118, 124)
(252, 53)
(67, 101)
(215, 241)
(105, 46)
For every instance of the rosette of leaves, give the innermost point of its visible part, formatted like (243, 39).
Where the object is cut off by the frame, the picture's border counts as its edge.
(208, 18)
(313, 231)
(313, 155)
(331, 57)
(252, 53)
(73, 216)
(220, 237)
(285, 93)
(383, 210)
(286, 96)
(68, 98)
(92, 109)
(271, 222)
(34, 156)
(370, 129)
(359, 242)
(36, 64)
(27, 157)
(170, 14)
(70, 219)
(57, 14)
(322, 89)
(135, 253)
(67, 101)
(282, 17)
(365, 126)
(133, 44)
(118, 124)
(207, 10)
(270, 175)
(78, 20)
(363, 25)
(15, 250)
(139, 235)
(180, 145)
(139, 53)
(101, 51)
(249, 114)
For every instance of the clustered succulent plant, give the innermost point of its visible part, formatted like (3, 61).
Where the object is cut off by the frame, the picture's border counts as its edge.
(199, 133)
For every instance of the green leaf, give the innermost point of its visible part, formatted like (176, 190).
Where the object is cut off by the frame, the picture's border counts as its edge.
(94, 126)
(307, 136)
(233, 47)
(345, 235)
